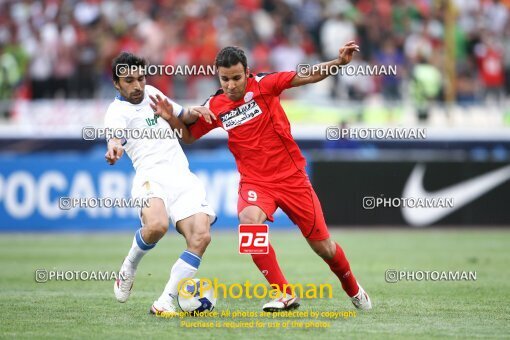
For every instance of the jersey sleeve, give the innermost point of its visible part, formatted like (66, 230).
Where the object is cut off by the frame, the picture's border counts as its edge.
(114, 119)
(201, 127)
(276, 83)
(178, 109)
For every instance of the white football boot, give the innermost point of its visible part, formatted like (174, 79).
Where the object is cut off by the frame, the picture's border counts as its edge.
(164, 309)
(287, 302)
(361, 300)
(122, 286)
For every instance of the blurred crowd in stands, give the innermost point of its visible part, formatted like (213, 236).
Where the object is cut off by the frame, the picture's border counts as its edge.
(64, 48)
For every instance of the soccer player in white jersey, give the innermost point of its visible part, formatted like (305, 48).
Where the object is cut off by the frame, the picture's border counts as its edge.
(162, 176)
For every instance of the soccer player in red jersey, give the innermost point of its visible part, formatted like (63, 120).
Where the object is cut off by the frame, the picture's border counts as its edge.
(271, 165)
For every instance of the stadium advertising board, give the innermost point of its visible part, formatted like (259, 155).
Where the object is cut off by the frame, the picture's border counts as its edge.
(37, 191)
(413, 193)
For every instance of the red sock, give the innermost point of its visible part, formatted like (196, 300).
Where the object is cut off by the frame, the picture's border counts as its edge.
(340, 266)
(269, 267)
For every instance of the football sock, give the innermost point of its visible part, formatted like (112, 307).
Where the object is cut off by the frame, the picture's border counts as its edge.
(268, 265)
(340, 266)
(184, 268)
(138, 249)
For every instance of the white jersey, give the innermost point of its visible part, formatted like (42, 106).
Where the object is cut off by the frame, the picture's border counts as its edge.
(146, 153)
(161, 167)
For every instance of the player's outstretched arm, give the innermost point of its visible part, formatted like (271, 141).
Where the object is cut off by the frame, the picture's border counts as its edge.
(114, 152)
(163, 108)
(321, 71)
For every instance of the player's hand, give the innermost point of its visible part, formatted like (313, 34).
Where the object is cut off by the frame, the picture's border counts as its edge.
(114, 153)
(161, 107)
(202, 111)
(345, 53)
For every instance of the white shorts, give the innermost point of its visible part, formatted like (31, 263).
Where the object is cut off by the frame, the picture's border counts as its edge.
(182, 193)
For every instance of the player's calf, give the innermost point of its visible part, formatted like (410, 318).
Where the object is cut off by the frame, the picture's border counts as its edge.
(155, 226)
(124, 283)
(324, 248)
(198, 241)
(335, 257)
(195, 230)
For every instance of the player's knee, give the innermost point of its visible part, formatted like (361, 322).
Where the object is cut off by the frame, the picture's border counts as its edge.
(248, 218)
(157, 227)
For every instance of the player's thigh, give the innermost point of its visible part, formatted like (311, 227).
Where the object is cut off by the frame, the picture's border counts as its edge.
(155, 215)
(255, 204)
(303, 207)
(188, 204)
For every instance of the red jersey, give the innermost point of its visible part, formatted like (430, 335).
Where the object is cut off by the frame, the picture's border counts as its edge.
(258, 129)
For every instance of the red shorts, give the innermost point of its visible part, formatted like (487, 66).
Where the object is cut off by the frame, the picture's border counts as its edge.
(295, 196)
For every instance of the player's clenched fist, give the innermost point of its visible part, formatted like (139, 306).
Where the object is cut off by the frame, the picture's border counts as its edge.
(115, 151)
(345, 53)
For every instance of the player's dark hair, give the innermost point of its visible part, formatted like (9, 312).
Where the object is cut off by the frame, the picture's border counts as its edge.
(230, 56)
(126, 58)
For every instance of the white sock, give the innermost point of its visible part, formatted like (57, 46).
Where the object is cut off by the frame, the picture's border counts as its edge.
(138, 249)
(184, 268)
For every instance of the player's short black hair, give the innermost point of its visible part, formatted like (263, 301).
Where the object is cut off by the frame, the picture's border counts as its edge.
(230, 56)
(126, 58)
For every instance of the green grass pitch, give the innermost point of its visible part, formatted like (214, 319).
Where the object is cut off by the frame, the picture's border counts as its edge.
(417, 309)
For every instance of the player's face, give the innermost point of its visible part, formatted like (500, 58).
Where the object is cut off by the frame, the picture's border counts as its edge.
(131, 86)
(233, 81)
